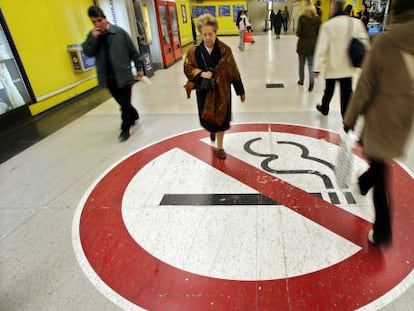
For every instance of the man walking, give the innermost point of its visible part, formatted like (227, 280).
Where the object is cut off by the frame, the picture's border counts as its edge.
(113, 49)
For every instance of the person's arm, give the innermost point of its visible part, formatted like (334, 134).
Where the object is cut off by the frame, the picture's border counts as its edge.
(366, 89)
(299, 30)
(361, 33)
(91, 45)
(321, 51)
(191, 70)
(134, 55)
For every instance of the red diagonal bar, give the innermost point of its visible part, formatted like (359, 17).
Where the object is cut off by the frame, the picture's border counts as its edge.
(322, 212)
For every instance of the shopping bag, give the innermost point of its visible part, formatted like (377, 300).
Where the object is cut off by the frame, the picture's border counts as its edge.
(344, 160)
(248, 36)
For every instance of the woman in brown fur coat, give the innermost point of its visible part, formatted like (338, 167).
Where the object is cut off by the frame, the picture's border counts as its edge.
(212, 69)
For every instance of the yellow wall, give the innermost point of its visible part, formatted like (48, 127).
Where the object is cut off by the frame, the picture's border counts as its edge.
(41, 31)
(325, 4)
(227, 25)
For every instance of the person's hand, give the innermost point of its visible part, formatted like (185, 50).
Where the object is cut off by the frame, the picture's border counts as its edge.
(242, 98)
(96, 32)
(347, 128)
(139, 75)
(207, 74)
(316, 74)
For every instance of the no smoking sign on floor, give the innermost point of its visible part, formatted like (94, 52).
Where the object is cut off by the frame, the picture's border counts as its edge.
(171, 227)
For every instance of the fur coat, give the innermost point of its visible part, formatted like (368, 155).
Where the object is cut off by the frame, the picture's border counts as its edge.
(217, 101)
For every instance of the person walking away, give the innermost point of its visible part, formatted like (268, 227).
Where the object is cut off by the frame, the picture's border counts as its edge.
(363, 15)
(331, 55)
(277, 23)
(213, 70)
(285, 20)
(272, 17)
(348, 10)
(193, 30)
(307, 31)
(248, 28)
(241, 23)
(113, 49)
(384, 96)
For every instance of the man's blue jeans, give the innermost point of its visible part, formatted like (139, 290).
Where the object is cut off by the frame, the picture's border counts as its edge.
(309, 59)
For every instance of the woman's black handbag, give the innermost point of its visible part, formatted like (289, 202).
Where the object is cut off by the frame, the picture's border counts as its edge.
(206, 84)
(356, 49)
(356, 52)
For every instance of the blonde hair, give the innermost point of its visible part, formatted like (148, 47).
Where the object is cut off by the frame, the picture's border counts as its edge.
(207, 20)
(309, 11)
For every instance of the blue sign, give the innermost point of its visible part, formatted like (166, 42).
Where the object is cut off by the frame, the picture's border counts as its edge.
(224, 10)
(210, 9)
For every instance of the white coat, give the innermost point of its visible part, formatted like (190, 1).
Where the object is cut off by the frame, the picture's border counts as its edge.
(331, 53)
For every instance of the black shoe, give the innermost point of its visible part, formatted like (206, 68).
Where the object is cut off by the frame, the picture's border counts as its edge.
(300, 82)
(379, 241)
(135, 119)
(124, 135)
(213, 136)
(310, 89)
(319, 108)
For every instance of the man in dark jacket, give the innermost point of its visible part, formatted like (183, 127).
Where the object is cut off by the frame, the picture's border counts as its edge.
(113, 48)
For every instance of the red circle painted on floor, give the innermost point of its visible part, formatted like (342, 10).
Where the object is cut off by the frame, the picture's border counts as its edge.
(145, 281)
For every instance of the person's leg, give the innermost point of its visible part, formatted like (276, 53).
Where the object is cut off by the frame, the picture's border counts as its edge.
(309, 59)
(220, 150)
(346, 92)
(128, 113)
(382, 226)
(301, 69)
(327, 96)
(241, 44)
(366, 180)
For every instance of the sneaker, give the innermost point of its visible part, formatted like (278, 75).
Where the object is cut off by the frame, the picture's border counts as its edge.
(319, 108)
(221, 154)
(300, 82)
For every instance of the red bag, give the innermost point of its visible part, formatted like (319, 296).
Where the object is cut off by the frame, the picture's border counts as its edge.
(248, 36)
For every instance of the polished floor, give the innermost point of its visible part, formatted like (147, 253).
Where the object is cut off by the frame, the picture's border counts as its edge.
(159, 223)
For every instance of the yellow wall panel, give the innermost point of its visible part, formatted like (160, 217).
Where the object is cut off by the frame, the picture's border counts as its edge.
(227, 25)
(41, 31)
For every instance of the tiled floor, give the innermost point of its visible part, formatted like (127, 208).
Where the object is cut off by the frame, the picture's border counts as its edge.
(156, 222)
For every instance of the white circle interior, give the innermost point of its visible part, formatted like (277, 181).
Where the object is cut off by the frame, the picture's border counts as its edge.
(243, 242)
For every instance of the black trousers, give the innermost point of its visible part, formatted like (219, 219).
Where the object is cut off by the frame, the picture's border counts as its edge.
(346, 92)
(123, 97)
(376, 177)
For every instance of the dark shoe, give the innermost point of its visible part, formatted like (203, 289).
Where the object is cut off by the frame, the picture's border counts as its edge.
(124, 135)
(363, 187)
(310, 89)
(319, 108)
(221, 154)
(300, 82)
(213, 136)
(375, 240)
(135, 120)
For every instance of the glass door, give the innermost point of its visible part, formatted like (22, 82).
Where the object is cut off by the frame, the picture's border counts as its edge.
(175, 32)
(13, 91)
